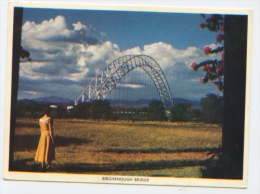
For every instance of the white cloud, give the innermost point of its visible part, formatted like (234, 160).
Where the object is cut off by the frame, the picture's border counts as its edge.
(27, 70)
(134, 86)
(48, 29)
(68, 58)
(80, 55)
(213, 46)
(79, 26)
(166, 55)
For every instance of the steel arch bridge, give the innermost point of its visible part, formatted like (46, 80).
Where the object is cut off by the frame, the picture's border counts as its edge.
(101, 86)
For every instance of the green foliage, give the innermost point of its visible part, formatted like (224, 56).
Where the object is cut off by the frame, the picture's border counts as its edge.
(210, 110)
(59, 112)
(30, 109)
(212, 107)
(213, 68)
(156, 111)
(82, 110)
(180, 112)
(195, 114)
(97, 109)
(100, 109)
(24, 54)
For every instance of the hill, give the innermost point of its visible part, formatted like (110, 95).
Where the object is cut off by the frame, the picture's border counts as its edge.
(50, 100)
(116, 103)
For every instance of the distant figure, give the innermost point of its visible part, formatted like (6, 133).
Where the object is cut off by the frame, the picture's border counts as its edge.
(46, 149)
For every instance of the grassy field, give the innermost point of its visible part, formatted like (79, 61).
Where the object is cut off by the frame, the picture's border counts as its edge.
(120, 147)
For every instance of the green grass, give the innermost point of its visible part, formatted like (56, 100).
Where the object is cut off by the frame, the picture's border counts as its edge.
(120, 147)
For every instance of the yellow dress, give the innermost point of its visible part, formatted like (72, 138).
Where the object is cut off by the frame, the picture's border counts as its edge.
(46, 150)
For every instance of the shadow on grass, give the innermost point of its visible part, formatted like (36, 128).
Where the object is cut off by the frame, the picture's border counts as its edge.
(66, 141)
(30, 142)
(160, 150)
(220, 169)
(29, 166)
(25, 142)
(19, 125)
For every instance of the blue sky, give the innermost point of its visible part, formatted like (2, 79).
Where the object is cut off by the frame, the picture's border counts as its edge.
(69, 47)
(122, 27)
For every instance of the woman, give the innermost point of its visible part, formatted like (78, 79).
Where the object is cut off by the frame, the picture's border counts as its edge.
(46, 150)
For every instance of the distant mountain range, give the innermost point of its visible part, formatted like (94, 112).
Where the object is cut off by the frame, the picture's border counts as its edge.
(186, 101)
(116, 103)
(51, 100)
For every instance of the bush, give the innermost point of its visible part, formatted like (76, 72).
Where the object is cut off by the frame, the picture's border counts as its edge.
(212, 107)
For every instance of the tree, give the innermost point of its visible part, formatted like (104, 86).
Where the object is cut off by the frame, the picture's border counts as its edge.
(231, 163)
(213, 68)
(234, 94)
(28, 108)
(195, 114)
(212, 108)
(82, 110)
(156, 111)
(180, 112)
(59, 112)
(100, 109)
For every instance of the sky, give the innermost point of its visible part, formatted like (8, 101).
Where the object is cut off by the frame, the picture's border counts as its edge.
(70, 47)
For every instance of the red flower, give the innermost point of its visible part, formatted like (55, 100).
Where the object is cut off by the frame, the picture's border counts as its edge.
(219, 71)
(214, 69)
(202, 25)
(222, 28)
(220, 37)
(212, 77)
(223, 56)
(221, 64)
(194, 66)
(219, 86)
(207, 50)
(207, 67)
(204, 79)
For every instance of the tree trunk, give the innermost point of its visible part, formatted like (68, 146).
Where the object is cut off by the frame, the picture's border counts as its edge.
(234, 95)
(17, 28)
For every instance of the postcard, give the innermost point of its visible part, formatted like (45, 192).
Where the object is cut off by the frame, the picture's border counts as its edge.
(127, 95)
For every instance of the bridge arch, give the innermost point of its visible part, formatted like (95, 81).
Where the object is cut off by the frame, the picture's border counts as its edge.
(102, 85)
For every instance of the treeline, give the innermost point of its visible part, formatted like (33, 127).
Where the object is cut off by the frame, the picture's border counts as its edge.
(210, 111)
(96, 109)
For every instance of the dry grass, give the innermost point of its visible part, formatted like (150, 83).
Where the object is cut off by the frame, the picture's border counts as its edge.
(120, 147)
